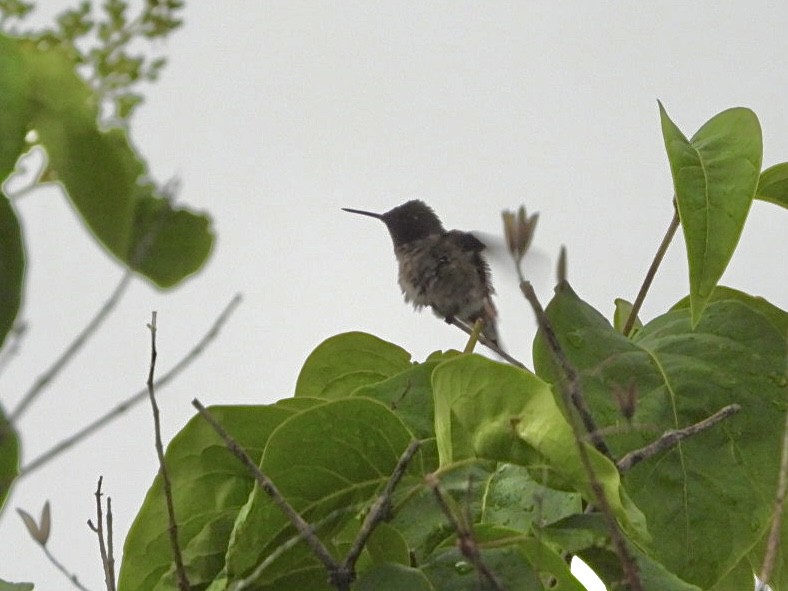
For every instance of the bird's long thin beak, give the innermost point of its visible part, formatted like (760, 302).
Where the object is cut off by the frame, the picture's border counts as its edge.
(369, 213)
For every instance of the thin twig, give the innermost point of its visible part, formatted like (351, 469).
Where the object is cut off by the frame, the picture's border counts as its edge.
(652, 271)
(487, 343)
(46, 378)
(773, 542)
(465, 541)
(110, 544)
(70, 576)
(381, 508)
(132, 401)
(573, 396)
(672, 438)
(338, 576)
(572, 379)
(183, 580)
(107, 558)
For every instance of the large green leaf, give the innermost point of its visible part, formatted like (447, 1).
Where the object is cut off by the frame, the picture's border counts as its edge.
(210, 486)
(715, 175)
(342, 363)
(409, 394)
(14, 117)
(513, 499)
(329, 462)
(9, 457)
(104, 177)
(707, 500)
(12, 267)
(773, 184)
(587, 536)
(485, 409)
(758, 304)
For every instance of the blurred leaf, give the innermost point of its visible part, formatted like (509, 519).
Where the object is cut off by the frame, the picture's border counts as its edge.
(6, 586)
(773, 185)
(14, 114)
(209, 486)
(342, 363)
(708, 500)
(329, 462)
(12, 269)
(490, 410)
(715, 175)
(38, 531)
(105, 178)
(9, 457)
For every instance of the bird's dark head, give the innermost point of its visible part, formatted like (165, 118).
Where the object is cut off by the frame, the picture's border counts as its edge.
(408, 222)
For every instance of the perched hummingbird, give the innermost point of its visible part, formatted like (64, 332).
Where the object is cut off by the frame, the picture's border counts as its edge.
(440, 269)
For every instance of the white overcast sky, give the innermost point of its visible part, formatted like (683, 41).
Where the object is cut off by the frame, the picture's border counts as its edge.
(274, 115)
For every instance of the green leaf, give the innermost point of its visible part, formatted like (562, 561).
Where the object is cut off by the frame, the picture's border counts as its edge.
(344, 362)
(513, 499)
(717, 485)
(448, 570)
(409, 394)
(106, 180)
(393, 577)
(6, 586)
(329, 462)
(778, 317)
(9, 457)
(621, 315)
(209, 486)
(773, 185)
(715, 175)
(588, 537)
(14, 117)
(485, 409)
(12, 267)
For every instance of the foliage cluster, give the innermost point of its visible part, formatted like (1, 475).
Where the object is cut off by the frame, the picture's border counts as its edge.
(498, 442)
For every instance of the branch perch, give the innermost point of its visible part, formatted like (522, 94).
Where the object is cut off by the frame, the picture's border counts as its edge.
(672, 438)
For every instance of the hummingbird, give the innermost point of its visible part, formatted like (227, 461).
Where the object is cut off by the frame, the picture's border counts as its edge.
(444, 270)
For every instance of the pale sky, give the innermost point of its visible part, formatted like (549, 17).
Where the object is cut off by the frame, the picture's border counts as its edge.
(274, 115)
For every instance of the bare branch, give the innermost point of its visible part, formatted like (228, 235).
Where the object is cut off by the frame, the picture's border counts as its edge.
(107, 558)
(652, 271)
(573, 396)
(132, 401)
(465, 541)
(572, 380)
(672, 438)
(183, 580)
(338, 575)
(40, 533)
(46, 378)
(773, 542)
(381, 508)
(487, 343)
